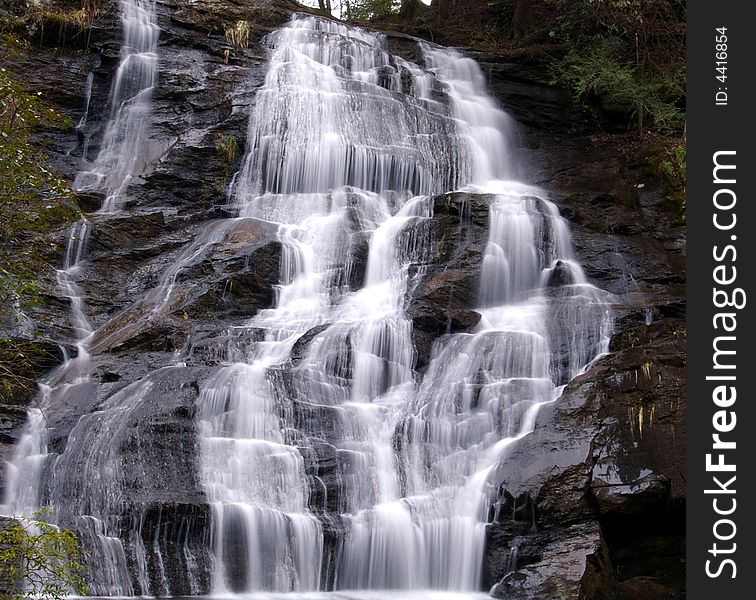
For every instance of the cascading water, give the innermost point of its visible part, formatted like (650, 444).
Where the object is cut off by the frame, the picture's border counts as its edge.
(346, 139)
(347, 146)
(25, 468)
(125, 150)
(123, 154)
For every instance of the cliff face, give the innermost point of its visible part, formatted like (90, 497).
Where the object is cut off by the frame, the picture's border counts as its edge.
(591, 503)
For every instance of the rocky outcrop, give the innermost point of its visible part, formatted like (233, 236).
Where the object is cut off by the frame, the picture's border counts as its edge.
(446, 292)
(198, 135)
(608, 455)
(607, 460)
(141, 445)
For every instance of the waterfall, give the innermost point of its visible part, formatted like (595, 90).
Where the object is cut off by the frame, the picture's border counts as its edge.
(125, 150)
(123, 154)
(345, 140)
(24, 472)
(332, 464)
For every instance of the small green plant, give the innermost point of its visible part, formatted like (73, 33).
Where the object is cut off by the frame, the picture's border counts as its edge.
(674, 171)
(39, 560)
(238, 34)
(674, 166)
(228, 148)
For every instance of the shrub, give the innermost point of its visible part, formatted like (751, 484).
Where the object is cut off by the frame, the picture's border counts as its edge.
(228, 148)
(674, 171)
(38, 560)
(618, 85)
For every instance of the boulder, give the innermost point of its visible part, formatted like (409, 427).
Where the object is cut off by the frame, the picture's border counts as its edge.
(608, 455)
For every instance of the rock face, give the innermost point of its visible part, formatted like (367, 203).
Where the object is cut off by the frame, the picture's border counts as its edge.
(607, 458)
(445, 295)
(591, 503)
(140, 449)
(602, 475)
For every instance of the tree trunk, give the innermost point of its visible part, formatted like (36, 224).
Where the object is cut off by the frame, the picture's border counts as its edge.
(521, 19)
(443, 9)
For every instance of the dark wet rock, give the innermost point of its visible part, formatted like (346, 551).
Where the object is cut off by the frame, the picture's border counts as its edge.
(575, 565)
(157, 334)
(357, 262)
(240, 295)
(300, 347)
(211, 345)
(213, 16)
(598, 456)
(445, 289)
(522, 86)
(109, 377)
(154, 452)
(610, 454)
(439, 306)
(12, 417)
(323, 467)
(12, 420)
(90, 201)
(333, 534)
(243, 286)
(646, 588)
(404, 45)
(561, 275)
(117, 234)
(23, 362)
(627, 232)
(179, 532)
(156, 446)
(231, 276)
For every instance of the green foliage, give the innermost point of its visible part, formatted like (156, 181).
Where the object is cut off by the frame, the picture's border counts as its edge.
(674, 167)
(22, 165)
(619, 86)
(367, 10)
(637, 22)
(629, 55)
(39, 560)
(228, 148)
(33, 202)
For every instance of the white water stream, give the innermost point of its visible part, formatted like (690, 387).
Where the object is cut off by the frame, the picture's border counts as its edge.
(346, 143)
(344, 132)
